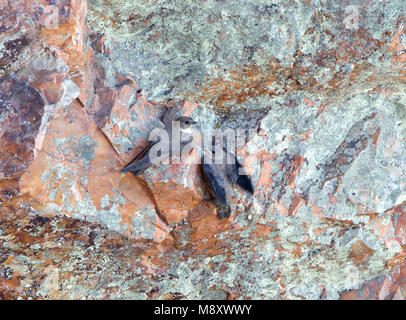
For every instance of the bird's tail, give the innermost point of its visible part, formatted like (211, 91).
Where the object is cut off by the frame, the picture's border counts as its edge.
(243, 179)
(223, 210)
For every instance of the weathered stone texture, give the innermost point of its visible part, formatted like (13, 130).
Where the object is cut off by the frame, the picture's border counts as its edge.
(83, 83)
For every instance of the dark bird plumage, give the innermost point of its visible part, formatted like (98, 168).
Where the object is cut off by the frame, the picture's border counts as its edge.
(222, 177)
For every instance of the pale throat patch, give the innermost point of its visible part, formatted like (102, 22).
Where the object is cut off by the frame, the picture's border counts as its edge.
(187, 131)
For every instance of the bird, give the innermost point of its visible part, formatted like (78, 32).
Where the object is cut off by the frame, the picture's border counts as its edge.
(221, 178)
(182, 127)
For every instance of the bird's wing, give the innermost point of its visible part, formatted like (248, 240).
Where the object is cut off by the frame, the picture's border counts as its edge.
(143, 151)
(216, 180)
(151, 157)
(138, 167)
(237, 174)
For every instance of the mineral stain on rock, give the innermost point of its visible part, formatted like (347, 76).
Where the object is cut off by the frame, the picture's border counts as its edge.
(12, 50)
(21, 110)
(325, 104)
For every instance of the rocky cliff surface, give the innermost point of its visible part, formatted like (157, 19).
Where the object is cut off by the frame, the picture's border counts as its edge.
(321, 84)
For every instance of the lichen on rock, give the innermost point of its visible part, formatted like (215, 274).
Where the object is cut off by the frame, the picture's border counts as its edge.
(319, 87)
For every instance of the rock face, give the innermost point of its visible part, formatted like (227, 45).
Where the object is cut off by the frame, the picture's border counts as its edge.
(319, 87)
(22, 108)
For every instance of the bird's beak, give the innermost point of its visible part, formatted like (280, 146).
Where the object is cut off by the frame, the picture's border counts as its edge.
(194, 122)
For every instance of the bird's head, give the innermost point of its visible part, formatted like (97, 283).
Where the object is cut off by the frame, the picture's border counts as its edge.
(185, 122)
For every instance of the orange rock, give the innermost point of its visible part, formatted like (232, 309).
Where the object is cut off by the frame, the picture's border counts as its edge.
(392, 286)
(360, 253)
(68, 34)
(399, 223)
(76, 170)
(205, 222)
(131, 120)
(177, 188)
(397, 48)
(52, 92)
(308, 102)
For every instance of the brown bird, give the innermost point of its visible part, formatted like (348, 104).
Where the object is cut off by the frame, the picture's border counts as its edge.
(222, 177)
(146, 158)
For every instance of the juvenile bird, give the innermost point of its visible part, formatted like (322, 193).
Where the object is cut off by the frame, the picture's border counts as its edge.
(222, 177)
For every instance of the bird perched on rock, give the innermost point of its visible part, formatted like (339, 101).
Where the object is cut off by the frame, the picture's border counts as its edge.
(178, 135)
(221, 177)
